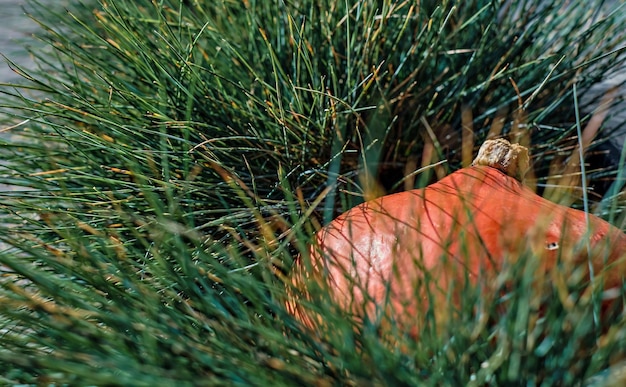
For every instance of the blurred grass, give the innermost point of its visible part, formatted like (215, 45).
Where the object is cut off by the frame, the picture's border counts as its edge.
(173, 157)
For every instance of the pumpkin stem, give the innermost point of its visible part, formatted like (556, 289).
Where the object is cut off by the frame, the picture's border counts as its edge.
(511, 159)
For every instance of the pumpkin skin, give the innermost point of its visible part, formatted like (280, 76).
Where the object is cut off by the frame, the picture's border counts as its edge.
(467, 224)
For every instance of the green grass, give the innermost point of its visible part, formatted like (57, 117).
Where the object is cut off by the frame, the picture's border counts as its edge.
(174, 158)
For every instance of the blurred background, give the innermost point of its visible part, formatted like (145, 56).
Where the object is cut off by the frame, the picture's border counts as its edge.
(15, 29)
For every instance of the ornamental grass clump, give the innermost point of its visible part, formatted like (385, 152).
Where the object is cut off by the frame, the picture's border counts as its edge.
(169, 161)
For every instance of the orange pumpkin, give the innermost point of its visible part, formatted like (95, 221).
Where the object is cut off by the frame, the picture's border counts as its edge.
(468, 223)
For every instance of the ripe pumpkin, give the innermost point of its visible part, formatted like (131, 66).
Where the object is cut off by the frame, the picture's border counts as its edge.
(464, 226)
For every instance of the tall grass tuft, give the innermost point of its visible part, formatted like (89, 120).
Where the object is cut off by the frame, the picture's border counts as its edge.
(168, 161)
